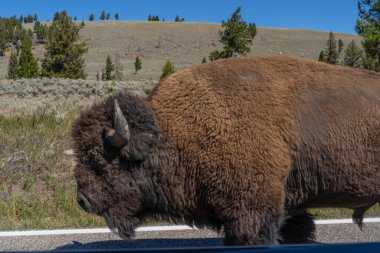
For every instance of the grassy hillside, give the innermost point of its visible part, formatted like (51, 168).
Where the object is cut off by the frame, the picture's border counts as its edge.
(183, 43)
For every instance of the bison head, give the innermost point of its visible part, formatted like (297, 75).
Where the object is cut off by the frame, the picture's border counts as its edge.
(113, 143)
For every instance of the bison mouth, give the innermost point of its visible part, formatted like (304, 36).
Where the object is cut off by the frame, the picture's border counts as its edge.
(124, 227)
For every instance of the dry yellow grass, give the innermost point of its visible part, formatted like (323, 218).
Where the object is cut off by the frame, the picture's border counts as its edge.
(184, 43)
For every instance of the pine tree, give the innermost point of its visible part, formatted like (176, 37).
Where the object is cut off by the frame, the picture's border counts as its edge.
(167, 69)
(332, 55)
(29, 19)
(35, 17)
(215, 55)
(108, 16)
(118, 68)
(56, 16)
(63, 57)
(322, 56)
(252, 30)
(116, 16)
(137, 64)
(234, 37)
(28, 66)
(13, 66)
(103, 75)
(30, 34)
(204, 60)
(179, 19)
(41, 31)
(340, 45)
(110, 68)
(36, 26)
(103, 15)
(3, 43)
(353, 56)
(92, 17)
(368, 26)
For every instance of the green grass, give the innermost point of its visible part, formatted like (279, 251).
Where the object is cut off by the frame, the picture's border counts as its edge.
(59, 210)
(37, 186)
(325, 213)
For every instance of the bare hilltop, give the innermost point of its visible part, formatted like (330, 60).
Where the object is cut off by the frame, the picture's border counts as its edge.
(184, 43)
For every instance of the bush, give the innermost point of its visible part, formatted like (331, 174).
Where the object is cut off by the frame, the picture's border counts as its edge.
(137, 64)
(167, 69)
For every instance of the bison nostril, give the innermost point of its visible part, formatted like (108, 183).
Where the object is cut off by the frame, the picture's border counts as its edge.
(84, 203)
(81, 203)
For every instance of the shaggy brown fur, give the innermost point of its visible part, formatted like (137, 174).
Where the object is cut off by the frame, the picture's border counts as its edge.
(244, 145)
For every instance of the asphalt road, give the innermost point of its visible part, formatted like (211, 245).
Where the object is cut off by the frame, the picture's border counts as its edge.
(330, 233)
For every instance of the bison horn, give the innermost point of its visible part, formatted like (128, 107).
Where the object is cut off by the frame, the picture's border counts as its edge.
(120, 135)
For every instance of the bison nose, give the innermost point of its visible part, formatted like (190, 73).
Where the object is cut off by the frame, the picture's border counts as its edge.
(84, 203)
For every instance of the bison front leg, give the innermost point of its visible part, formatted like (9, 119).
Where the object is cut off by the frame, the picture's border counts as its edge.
(259, 220)
(241, 232)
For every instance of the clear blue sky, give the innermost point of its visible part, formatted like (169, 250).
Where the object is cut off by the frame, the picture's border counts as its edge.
(325, 15)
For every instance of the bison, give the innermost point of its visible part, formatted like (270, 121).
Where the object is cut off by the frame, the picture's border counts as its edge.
(243, 146)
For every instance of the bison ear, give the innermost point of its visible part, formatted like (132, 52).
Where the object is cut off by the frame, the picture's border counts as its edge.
(120, 135)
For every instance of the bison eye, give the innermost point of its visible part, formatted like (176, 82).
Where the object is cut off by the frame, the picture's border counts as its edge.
(107, 135)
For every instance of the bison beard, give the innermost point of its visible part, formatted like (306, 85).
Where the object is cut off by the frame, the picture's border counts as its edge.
(242, 146)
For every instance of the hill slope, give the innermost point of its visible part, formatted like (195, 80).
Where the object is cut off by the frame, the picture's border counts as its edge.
(183, 43)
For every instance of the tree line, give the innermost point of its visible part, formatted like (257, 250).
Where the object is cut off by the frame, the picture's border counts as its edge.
(236, 34)
(12, 33)
(26, 19)
(112, 71)
(353, 55)
(368, 26)
(157, 18)
(63, 57)
(64, 54)
(104, 16)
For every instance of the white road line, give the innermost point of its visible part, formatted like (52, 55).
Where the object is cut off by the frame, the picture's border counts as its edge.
(147, 229)
(88, 231)
(345, 221)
